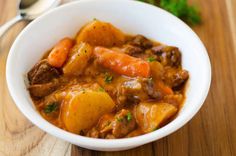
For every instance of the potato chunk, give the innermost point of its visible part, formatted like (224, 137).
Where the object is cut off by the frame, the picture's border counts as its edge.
(82, 109)
(99, 33)
(156, 70)
(150, 115)
(78, 60)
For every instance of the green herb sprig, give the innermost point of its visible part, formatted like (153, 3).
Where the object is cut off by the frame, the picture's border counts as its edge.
(51, 107)
(108, 78)
(151, 59)
(100, 89)
(129, 117)
(179, 8)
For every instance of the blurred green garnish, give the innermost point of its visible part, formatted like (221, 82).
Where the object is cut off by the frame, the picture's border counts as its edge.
(101, 89)
(108, 78)
(179, 8)
(151, 59)
(51, 107)
(129, 116)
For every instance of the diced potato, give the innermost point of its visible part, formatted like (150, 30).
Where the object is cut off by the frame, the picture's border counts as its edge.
(78, 60)
(99, 33)
(150, 115)
(82, 109)
(156, 70)
(160, 88)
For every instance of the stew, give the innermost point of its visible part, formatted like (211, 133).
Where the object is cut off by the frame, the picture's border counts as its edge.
(106, 84)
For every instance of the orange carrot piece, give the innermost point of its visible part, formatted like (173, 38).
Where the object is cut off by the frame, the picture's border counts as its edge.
(164, 89)
(59, 53)
(122, 63)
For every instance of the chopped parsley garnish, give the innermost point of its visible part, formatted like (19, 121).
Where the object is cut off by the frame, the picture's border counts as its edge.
(51, 107)
(129, 116)
(101, 89)
(119, 119)
(179, 8)
(151, 59)
(108, 78)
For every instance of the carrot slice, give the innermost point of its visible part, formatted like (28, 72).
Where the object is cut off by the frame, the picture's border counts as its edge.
(122, 63)
(164, 89)
(59, 53)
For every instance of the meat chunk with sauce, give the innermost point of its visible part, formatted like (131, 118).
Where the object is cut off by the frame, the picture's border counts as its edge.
(168, 55)
(131, 49)
(175, 77)
(42, 72)
(141, 41)
(41, 90)
(112, 126)
(123, 124)
(131, 91)
(94, 133)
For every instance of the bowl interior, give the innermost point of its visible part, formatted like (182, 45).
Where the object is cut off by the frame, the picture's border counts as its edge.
(132, 18)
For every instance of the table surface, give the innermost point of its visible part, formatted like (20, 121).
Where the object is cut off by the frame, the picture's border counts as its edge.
(212, 132)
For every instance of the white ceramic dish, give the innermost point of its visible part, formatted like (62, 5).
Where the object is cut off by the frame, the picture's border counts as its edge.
(131, 17)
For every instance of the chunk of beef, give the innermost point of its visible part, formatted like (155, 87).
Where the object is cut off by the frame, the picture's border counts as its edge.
(93, 133)
(175, 78)
(141, 42)
(103, 127)
(114, 125)
(123, 124)
(131, 92)
(131, 49)
(149, 87)
(104, 124)
(153, 91)
(168, 55)
(42, 72)
(42, 90)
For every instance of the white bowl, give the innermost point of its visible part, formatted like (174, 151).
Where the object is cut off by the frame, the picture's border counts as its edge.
(131, 17)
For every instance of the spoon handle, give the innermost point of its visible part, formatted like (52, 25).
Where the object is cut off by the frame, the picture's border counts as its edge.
(7, 25)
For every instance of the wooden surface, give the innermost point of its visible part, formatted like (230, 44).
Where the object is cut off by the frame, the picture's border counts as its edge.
(212, 132)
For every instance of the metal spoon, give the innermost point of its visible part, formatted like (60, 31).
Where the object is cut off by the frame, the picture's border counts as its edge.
(29, 10)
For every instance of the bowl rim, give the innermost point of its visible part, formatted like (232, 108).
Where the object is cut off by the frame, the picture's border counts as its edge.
(113, 143)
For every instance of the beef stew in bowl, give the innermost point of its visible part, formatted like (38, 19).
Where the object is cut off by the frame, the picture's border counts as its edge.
(106, 84)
